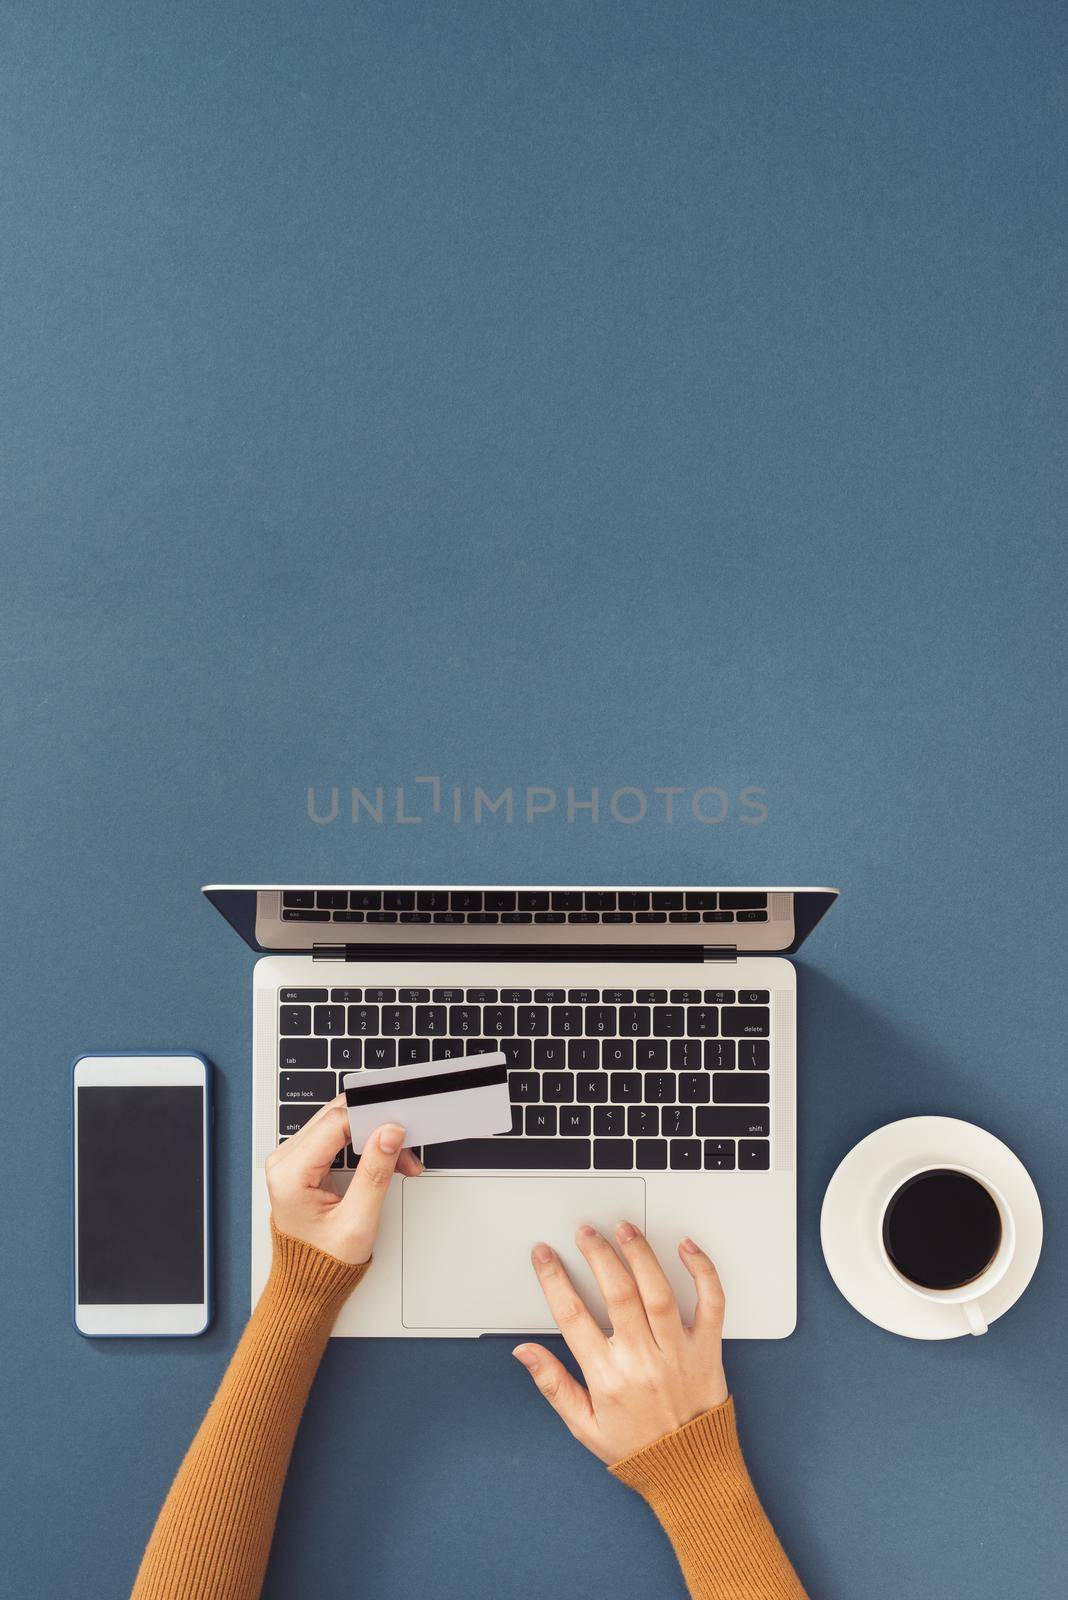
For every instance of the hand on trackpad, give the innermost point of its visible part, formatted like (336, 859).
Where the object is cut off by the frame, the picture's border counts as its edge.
(467, 1243)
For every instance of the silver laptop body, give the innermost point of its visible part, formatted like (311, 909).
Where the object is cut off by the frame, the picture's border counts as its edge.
(651, 1042)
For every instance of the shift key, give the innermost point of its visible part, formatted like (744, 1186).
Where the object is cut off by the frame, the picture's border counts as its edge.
(733, 1122)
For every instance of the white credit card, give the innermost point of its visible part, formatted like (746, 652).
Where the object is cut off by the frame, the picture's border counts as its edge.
(463, 1098)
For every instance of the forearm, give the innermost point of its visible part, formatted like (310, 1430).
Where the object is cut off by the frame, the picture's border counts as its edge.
(696, 1481)
(213, 1536)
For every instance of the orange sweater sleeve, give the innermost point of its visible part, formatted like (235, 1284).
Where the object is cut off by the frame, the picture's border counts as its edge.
(696, 1481)
(213, 1536)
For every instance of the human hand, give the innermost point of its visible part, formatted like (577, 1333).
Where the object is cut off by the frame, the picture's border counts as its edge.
(652, 1374)
(342, 1225)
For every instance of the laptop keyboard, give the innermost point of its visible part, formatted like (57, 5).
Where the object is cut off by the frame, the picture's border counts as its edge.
(543, 906)
(604, 1080)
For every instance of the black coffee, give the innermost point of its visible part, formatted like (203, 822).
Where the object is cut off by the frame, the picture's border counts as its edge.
(941, 1229)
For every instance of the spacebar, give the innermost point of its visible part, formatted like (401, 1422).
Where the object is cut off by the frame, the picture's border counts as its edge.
(525, 1154)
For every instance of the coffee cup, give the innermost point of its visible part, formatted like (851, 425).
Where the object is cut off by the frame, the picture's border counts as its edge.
(948, 1234)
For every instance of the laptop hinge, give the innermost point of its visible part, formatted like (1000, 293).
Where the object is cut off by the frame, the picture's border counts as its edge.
(517, 952)
(721, 952)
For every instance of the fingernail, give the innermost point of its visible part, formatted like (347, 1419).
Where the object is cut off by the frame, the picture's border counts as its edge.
(542, 1254)
(390, 1138)
(690, 1248)
(626, 1232)
(526, 1357)
(586, 1232)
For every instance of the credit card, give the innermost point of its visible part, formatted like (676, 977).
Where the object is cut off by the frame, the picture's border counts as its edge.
(464, 1098)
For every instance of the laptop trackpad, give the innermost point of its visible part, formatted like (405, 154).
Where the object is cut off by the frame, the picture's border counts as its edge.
(467, 1242)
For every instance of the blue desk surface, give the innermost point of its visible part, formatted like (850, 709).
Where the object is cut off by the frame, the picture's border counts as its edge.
(608, 395)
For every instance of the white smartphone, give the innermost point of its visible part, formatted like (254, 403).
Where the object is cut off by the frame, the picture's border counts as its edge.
(140, 1149)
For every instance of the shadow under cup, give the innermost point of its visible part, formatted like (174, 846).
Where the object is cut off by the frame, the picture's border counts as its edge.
(941, 1229)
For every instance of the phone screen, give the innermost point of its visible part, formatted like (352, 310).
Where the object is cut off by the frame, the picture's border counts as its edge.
(140, 1206)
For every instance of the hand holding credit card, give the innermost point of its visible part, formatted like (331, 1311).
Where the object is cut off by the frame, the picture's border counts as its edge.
(464, 1098)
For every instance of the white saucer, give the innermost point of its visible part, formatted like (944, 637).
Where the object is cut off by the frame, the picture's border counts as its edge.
(849, 1221)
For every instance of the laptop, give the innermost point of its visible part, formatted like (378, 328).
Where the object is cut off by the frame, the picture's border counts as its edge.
(650, 1041)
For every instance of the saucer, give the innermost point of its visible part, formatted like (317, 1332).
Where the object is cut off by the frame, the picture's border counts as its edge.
(850, 1216)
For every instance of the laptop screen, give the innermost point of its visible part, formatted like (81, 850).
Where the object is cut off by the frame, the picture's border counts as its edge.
(429, 919)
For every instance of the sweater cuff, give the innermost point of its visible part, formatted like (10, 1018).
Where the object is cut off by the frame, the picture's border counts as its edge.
(705, 1447)
(696, 1482)
(308, 1278)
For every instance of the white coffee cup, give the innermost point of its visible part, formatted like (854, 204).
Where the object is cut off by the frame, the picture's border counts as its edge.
(968, 1295)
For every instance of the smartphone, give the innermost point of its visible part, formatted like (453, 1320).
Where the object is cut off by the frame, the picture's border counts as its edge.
(141, 1142)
